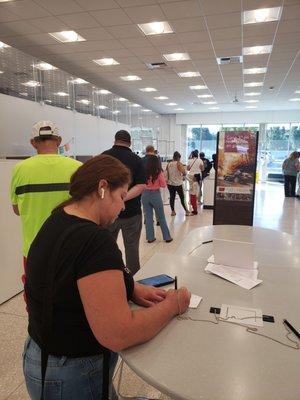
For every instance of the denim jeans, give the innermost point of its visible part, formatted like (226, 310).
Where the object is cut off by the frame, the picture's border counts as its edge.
(151, 200)
(66, 378)
(131, 232)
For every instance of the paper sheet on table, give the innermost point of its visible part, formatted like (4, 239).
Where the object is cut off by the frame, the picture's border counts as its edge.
(211, 259)
(194, 301)
(242, 315)
(233, 275)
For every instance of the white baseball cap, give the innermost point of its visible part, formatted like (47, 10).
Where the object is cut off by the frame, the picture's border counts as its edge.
(44, 129)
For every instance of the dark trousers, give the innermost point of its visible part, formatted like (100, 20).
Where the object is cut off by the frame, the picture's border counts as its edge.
(131, 232)
(289, 185)
(173, 190)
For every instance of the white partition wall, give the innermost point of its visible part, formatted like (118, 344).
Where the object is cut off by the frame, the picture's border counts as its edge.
(10, 238)
(91, 135)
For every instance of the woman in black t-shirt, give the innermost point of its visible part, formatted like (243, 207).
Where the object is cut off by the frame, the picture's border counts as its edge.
(78, 290)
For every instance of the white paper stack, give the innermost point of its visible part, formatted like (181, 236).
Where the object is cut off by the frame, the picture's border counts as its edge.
(245, 277)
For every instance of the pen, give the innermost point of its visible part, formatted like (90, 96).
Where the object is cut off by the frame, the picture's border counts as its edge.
(286, 322)
(208, 241)
(175, 281)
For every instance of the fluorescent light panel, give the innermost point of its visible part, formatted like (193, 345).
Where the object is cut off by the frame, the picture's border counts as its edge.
(31, 83)
(116, 112)
(297, 91)
(295, 99)
(204, 96)
(102, 91)
(189, 74)
(214, 108)
(156, 28)
(209, 102)
(161, 98)
(251, 107)
(104, 62)
(253, 84)
(131, 78)
(83, 101)
(177, 56)
(179, 109)
(135, 105)
(171, 104)
(43, 66)
(67, 36)
(261, 15)
(121, 99)
(78, 81)
(253, 94)
(247, 51)
(102, 107)
(251, 101)
(61, 94)
(146, 110)
(255, 70)
(198, 87)
(148, 89)
(4, 45)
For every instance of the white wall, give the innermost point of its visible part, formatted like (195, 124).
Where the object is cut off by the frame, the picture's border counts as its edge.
(92, 135)
(254, 117)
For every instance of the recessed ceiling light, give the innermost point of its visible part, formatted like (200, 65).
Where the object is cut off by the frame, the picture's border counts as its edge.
(156, 28)
(253, 94)
(198, 87)
(146, 110)
(83, 101)
(161, 98)
(255, 70)
(247, 51)
(295, 99)
(251, 101)
(61, 94)
(31, 83)
(253, 84)
(214, 108)
(179, 109)
(135, 105)
(116, 112)
(44, 66)
(204, 96)
(67, 36)
(102, 107)
(78, 81)
(171, 104)
(24, 94)
(209, 102)
(261, 15)
(1, 72)
(131, 78)
(251, 107)
(176, 56)
(106, 62)
(3, 45)
(297, 91)
(121, 99)
(188, 74)
(148, 89)
(102, 91)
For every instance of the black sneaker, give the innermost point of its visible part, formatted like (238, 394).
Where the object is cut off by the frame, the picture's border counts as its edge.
(169, 240)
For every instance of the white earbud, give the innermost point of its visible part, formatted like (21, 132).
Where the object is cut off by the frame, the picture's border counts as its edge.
(102, 193)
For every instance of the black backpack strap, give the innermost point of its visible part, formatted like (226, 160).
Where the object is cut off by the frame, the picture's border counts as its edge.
(47, 317)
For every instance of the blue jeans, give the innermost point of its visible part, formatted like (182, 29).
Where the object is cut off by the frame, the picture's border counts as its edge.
(151, 200)
(66, 378)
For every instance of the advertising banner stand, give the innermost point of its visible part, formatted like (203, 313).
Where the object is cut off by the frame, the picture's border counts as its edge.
(235, 178)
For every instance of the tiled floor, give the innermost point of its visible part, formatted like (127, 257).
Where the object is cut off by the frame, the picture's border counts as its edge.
(272, 210)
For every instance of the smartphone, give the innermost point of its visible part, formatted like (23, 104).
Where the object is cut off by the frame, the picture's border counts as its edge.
(157, 281)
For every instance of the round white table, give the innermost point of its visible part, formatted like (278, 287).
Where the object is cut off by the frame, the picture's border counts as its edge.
(195, 360)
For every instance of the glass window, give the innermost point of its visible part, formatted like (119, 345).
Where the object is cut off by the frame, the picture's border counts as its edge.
(209, 139)
(295, 137)
(193, 138)
(276, 147)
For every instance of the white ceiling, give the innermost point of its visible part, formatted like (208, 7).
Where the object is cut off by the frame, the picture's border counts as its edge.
(205, 29)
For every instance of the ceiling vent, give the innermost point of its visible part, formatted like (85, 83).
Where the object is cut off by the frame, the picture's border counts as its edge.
(230, 60)
(156, 65)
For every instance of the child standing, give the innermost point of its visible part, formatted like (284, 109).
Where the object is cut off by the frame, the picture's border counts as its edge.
(194, 188)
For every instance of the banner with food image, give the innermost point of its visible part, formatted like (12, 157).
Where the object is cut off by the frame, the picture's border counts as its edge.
(236, 166)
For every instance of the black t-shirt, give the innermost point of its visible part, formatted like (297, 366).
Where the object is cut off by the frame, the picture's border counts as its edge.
(135, 164)
(88, 249)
